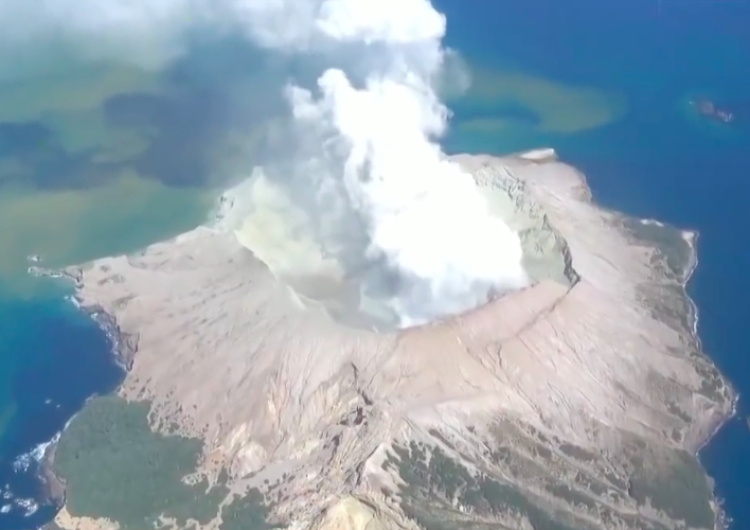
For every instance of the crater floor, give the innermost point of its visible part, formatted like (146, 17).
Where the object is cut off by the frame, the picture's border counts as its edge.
(279, 234)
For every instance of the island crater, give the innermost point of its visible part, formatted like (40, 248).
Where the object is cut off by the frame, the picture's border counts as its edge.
(264, 391)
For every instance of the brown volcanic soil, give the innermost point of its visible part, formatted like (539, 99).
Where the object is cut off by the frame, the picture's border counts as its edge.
(598, 355)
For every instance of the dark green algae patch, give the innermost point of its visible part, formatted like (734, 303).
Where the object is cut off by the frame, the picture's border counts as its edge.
(114, 466)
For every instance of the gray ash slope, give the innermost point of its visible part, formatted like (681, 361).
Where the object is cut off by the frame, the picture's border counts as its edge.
(577, 402)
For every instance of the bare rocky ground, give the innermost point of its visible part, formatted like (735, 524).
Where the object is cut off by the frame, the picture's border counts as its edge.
(578, 402)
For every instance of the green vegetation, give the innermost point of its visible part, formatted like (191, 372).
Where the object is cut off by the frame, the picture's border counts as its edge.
(574, 451)
(594, 486)
(673, 305)
(681, 490)
(437, 434)
(570, 495)
(432, 484)
(435, 482)
(673, 408)
(246, 513)
(711, 385)
(115, 466)
(675, 252)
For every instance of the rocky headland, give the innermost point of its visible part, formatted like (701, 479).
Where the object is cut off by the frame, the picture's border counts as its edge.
(258, 401)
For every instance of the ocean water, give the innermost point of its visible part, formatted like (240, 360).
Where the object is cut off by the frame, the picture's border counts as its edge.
(65, 361)
(645, 154)
(93, 161)
(605, 82)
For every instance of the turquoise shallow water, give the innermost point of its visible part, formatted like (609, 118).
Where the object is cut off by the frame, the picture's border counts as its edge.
(602, 81)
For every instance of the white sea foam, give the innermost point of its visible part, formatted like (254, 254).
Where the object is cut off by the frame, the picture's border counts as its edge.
(24, 461)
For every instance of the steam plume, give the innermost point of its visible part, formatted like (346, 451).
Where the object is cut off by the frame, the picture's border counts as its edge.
(364, 137)
(424, 219)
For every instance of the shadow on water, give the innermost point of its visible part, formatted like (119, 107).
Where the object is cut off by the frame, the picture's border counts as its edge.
(24, 139)
(223, 91)
(186, 128)
(40, 159)
(212, 98)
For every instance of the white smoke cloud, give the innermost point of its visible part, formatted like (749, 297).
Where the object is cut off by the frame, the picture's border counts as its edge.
(365, 136)
(138, 32)
(424, 217)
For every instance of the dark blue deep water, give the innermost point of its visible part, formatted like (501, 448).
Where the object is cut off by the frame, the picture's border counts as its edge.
(650, 158)
(66, 360)
(656, 161)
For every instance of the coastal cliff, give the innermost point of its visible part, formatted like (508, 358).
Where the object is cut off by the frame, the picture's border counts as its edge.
(577, 402)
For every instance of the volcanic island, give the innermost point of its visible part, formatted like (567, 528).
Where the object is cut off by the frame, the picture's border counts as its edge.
(263, 392)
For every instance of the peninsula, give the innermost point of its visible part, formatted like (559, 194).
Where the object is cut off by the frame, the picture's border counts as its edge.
(263, 393)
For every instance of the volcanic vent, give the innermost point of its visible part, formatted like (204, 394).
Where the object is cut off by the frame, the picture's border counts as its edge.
(359, 292)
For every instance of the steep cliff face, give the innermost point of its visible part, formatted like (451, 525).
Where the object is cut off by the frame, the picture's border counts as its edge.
(577, 402)
(546, 254)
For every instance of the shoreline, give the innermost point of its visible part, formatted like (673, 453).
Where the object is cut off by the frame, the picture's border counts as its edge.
(722, 519)
(716, 426)
(124, 346)
(121, 347)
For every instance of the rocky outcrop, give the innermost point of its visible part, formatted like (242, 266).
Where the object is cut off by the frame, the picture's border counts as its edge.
(578, 402)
